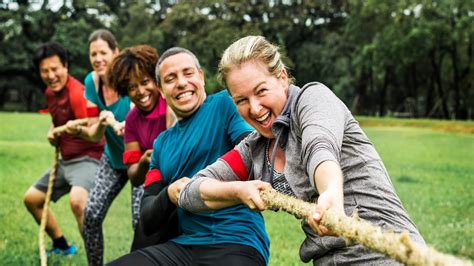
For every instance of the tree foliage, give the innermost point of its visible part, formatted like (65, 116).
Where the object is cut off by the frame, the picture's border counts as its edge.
(403, 58)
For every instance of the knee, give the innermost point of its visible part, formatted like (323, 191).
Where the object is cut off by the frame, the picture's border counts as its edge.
(32, 199)
(77, 206)
(28, 199)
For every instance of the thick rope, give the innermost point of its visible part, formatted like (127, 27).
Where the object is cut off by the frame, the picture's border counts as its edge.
(77, 122)
(52, 175)
(83, 121)
(355, 230)
(44, 216)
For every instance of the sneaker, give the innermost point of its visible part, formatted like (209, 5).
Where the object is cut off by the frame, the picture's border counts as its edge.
(70, 251)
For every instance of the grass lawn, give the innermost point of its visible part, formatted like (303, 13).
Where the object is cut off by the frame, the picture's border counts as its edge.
(432, 171)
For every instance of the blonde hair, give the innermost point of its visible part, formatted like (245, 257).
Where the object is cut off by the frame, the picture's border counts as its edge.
(251, 48)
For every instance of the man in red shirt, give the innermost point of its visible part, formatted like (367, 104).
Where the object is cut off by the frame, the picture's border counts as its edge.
(79, 158)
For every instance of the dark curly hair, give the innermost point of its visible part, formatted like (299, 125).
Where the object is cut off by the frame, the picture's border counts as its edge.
(131, 63)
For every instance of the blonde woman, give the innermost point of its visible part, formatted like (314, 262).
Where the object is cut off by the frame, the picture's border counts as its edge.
(307, 144)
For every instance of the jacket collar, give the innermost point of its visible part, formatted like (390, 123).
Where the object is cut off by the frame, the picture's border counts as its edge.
(280, 127)
(284, 117)
(282, 122)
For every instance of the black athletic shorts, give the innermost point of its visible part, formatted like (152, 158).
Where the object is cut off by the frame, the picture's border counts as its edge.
(171, 253)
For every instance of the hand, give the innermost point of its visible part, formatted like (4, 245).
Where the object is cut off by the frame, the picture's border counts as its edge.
(119, 128)
(104, 116)
(73, 128)
(146, 157)
(326, 201)
(175, 188)
(52, 138)
(249, 194)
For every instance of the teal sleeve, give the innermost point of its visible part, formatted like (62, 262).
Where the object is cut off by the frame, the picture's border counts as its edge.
(90, 91)
(154, 159)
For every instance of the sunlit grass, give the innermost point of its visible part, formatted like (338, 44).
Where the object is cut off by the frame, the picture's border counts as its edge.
(432, 170)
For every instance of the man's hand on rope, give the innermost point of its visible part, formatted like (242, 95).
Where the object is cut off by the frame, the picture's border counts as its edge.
(175, 188)
(73, 128)
(52, 138)
(326, 200)
(248, 193)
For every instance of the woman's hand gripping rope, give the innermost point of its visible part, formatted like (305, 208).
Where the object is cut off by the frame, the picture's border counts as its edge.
(107, 118)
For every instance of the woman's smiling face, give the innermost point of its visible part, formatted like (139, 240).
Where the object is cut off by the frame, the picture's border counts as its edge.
(143, 93)
(100, 55)
(259, 96)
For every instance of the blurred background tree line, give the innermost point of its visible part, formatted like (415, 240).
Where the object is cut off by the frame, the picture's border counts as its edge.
(398, 58)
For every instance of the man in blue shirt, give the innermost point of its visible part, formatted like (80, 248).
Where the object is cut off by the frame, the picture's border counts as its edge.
(207, 128)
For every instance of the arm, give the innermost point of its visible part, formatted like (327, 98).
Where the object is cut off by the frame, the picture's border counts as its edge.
(156, 207)
(136, 171)
(92, 133)
(321, 117)
(217, 194)
(96, 130)
(329, 182)
(97, 126)
(242, 137)
(208, 191)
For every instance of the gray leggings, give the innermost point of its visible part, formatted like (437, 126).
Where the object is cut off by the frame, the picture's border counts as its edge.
(108, 183)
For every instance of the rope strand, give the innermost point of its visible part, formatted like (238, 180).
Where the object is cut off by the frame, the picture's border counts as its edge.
(44, 215)
(355, 230)
(77, 122)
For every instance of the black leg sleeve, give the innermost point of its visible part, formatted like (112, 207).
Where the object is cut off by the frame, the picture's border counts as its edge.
(158, 213)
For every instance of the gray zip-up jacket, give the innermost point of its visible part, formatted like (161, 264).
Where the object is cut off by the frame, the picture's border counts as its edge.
(315, 126)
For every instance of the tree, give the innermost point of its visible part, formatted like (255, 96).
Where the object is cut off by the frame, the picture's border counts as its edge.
(407, 58)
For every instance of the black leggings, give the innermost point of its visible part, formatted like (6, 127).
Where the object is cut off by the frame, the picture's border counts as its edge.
(174, 254)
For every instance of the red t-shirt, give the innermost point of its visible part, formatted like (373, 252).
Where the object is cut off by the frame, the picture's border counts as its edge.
(70, 104)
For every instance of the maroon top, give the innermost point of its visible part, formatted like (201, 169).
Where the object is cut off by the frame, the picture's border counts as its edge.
(145, 127)
(70, 104)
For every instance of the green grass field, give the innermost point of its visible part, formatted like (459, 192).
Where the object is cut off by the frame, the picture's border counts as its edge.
(432, 170)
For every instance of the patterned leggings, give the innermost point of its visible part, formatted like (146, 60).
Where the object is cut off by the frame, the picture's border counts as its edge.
(108, 183)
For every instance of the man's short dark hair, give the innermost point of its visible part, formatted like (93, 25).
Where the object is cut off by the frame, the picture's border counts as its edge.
(50, 49)
(170, 52)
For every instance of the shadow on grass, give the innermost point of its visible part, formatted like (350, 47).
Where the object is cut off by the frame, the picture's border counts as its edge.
(406, 179)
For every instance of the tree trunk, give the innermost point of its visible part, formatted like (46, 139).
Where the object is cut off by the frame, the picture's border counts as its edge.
(456, 75)
(3, 96)
(436, 74)
(414, 89)
(383, 92)
(360, 94)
